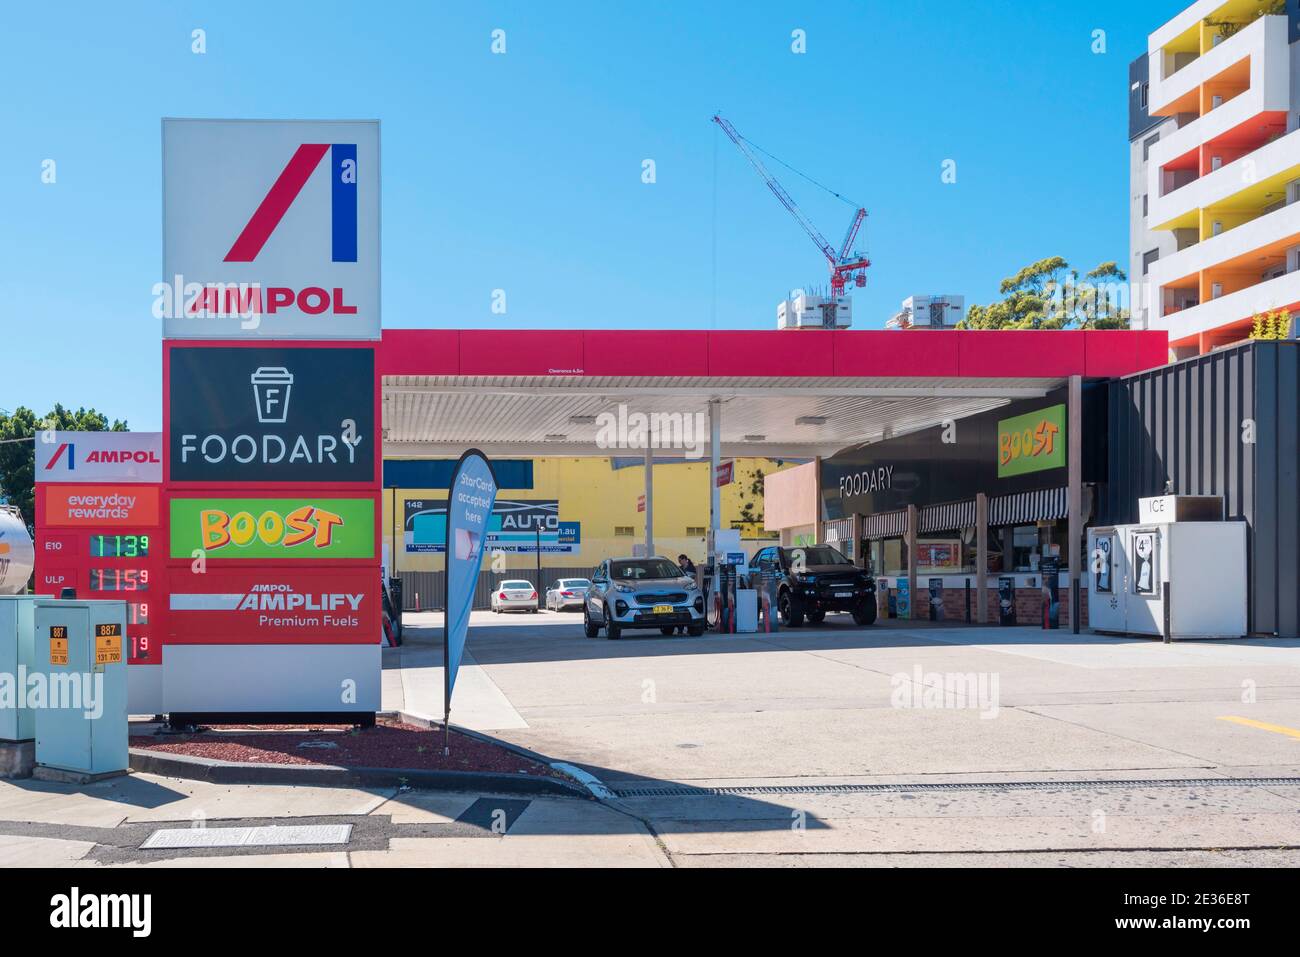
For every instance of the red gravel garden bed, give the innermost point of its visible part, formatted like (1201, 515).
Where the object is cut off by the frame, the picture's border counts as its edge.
(389, 744)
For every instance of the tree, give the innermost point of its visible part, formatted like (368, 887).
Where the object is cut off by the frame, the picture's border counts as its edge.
(1271, 325)
(1229, 28)
(1048, 295)
(18, 439)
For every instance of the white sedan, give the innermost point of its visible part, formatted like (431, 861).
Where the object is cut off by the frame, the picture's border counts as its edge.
(566, 593)
(517, 595)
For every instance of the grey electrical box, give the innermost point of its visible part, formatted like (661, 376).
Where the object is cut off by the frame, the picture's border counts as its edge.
(81, 728)
(17, 662)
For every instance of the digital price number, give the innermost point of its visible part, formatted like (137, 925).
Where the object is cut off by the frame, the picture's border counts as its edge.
(137, 613)
(119, 546)
(119, 579)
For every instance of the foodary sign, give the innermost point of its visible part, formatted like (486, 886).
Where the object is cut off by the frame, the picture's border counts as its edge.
(270, 230)
(273, 528)
(271, 414)
(1032, 442)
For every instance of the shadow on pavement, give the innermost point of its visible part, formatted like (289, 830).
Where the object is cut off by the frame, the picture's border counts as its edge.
(130, 789)
(553, 638)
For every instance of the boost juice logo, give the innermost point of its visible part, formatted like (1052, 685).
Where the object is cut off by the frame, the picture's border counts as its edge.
(1032, 442)
(273, 528)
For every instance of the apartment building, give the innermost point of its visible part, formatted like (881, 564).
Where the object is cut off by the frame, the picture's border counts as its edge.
(1214, 129)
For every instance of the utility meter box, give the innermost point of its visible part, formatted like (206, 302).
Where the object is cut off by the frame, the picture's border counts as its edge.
(80, 648)
(17, 662)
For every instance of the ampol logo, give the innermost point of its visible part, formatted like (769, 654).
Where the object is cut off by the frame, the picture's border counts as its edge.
(312, 300)
(99, 456)
(106, 456)
(343, 197)
(270, 228)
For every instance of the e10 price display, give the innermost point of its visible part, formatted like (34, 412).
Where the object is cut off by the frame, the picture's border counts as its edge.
(119, 546)
(119, 579)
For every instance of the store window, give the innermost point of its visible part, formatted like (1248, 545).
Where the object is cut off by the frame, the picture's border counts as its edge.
(1021, 548)
(946, 553)
(887, 556)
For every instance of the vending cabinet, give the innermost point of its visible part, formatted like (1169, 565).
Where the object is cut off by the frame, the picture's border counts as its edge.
(1175, 580)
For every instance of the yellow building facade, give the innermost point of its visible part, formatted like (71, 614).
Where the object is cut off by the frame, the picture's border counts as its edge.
(603, 500)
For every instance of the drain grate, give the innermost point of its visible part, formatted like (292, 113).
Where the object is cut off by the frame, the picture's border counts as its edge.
(272, 836)
(686, 790)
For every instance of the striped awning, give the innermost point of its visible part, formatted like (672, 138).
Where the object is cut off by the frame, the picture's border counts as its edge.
(838, 530)
(1042, 505)
(885, 525)
(946, 518)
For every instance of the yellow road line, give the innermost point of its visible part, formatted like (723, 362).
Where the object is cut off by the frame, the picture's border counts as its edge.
(1263, 726)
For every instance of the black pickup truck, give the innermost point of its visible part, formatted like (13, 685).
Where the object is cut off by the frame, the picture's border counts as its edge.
(815, 579)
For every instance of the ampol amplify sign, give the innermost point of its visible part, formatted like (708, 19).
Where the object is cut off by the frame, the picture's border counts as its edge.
(274, 606)
(271, 529)
(99, 457)
(80, 506)
(270, 229)
(1032, 442)
(271, 414)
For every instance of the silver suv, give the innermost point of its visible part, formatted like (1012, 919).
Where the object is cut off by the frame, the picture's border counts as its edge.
(641, 593)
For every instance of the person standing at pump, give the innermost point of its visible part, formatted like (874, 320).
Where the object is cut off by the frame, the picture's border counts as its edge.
(688, 569)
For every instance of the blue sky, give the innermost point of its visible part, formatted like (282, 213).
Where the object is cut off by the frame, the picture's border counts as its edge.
(523, 171)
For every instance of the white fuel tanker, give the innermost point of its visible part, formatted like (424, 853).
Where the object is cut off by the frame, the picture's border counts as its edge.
(17, 554)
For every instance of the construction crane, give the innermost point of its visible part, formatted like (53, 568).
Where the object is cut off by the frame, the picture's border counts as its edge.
(845, 264)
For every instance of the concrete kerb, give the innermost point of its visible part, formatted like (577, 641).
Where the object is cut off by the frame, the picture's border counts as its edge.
(593, 785)
(235, 772)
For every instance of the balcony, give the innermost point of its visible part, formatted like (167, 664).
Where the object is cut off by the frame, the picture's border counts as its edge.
(1238, 249)
(1225, 178)
(1245, 76)
(1242, 291)
(1185, 53)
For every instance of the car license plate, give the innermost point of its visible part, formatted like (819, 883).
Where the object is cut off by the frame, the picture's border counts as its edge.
(663, 609)
(844, 594)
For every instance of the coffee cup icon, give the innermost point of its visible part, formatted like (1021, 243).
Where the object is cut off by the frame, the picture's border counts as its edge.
(271, 386)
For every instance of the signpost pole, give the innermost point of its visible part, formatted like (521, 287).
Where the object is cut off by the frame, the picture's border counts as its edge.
(446, 641)
(649, 500)
(1074, 525)
(540, 583)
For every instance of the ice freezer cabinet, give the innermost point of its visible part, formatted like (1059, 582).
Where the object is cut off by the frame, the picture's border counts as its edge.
(1176, 580)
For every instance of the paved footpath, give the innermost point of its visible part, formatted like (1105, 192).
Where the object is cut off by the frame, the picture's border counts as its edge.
(820, 746)
(805, 748)
(105, 824)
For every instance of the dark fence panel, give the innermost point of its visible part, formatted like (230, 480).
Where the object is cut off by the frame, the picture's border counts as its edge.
(1227, 424)
(423, 590)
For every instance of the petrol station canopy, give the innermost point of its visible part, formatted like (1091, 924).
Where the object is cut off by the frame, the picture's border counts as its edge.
(791, 393)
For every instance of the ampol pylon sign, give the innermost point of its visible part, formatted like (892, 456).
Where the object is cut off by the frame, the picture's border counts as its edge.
(270, 229)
